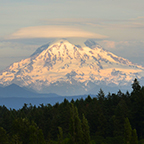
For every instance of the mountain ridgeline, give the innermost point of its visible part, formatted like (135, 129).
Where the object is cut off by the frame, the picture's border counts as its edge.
(67, 68)
(112, 119)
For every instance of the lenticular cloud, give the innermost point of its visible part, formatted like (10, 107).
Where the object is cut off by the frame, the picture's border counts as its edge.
(53, 32)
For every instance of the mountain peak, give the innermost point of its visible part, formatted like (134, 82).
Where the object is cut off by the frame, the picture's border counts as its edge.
(68, 68)
(90, 43)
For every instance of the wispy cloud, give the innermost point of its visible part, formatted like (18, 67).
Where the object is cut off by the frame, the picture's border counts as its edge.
(17, 46)
(108, 44)
(132, 50)
(122, 45)
(53, 32)
(138, 18)
(137, 22)
(68, 21)
(73, 21)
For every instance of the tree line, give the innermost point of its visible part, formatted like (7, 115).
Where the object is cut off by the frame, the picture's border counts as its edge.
(114, 118)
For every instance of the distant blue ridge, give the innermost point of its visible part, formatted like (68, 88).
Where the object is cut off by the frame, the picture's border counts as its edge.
(17, 103)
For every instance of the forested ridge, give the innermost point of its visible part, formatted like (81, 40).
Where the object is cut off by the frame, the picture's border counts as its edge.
(111, 119)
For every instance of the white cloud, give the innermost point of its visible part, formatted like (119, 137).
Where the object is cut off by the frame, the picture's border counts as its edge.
(53, 32)
(121, 45)
(108, 44)
(131, 50)
(16, 46)
(12, 52)
(137, 18)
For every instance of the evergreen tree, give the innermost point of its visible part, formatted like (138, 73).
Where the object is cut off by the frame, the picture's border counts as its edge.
(15, 139)
(78, 128)
(26, 132)
(135, 86)
(101, 95)
(134, 139)
(60, 136)
(86, 132)
(121, 111)
(75, 127)
(127, 132)
(35, 135)
(3, 136)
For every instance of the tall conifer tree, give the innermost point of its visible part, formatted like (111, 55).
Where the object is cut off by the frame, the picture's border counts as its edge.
(134, 139)
(86, 132)
(60, 136)
(76, 134)
(127, 132)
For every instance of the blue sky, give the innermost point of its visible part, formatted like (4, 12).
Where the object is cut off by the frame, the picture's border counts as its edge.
(117, 24)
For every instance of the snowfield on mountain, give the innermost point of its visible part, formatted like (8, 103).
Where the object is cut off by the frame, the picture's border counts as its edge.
(68, 69)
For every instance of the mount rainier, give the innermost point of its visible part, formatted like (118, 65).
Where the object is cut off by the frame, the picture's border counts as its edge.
(67, 69)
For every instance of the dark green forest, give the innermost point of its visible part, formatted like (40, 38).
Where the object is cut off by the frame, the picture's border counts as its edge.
(103, 119)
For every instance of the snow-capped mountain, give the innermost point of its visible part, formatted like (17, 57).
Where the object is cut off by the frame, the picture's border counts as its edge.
(68, 69)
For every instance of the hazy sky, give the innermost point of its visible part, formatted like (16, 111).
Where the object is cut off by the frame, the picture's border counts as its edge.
(26, 24)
